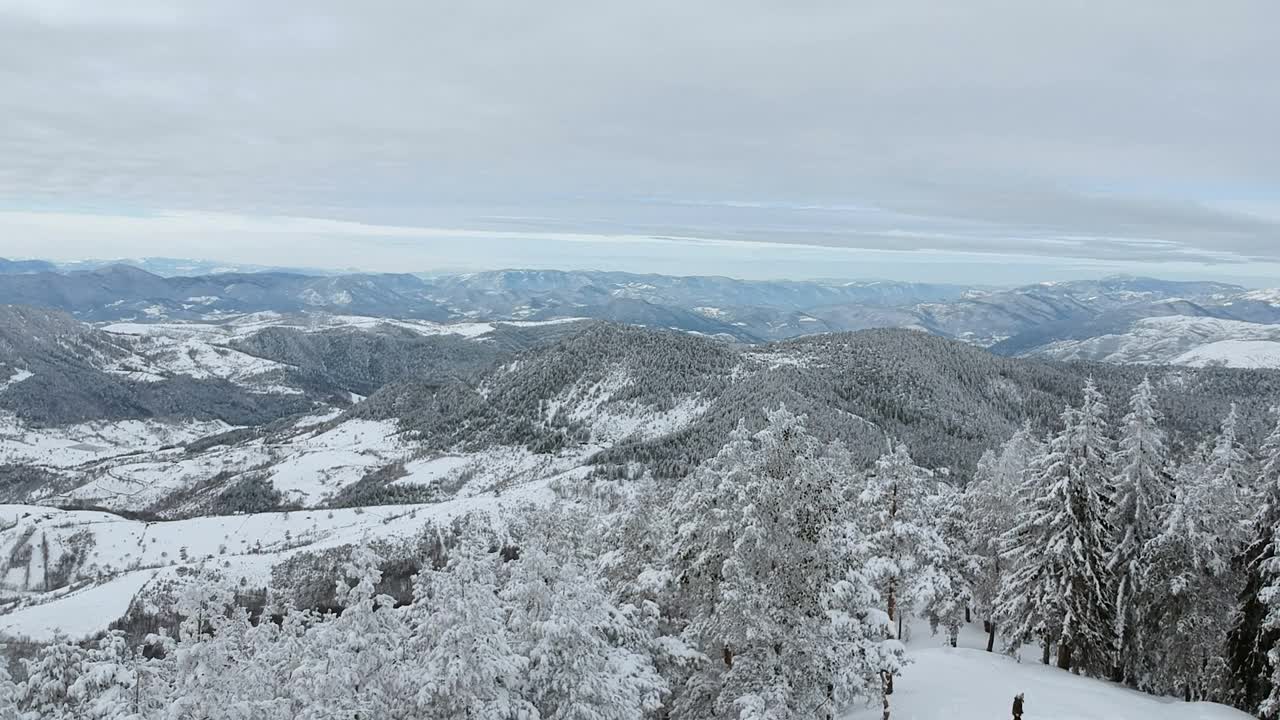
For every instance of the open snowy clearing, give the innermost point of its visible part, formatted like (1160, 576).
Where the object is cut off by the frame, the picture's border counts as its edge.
(1233, 354)
(968, 683)
(77, 614)
(240, 546)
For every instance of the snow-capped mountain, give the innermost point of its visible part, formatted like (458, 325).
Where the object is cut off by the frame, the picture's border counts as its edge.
(1175, 340)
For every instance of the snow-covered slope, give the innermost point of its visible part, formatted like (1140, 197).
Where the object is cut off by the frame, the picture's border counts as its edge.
(77, 571)
(1176, 339)
(968, 683)
(1233, 353)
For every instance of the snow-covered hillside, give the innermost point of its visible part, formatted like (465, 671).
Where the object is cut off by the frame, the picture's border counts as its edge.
(1178, 340)
(99, 562)
(1233, 353)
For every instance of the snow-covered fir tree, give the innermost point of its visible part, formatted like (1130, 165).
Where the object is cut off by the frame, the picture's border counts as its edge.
(470, 668)
(1142, 488)
(769, 571)
(905, 553)
(992, 502)
(1058, 591)
(357, 664)
(958, 566)
(1253, 644)
(1188, 574)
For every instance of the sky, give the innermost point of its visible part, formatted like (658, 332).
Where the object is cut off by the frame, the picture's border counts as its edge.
(980, 141)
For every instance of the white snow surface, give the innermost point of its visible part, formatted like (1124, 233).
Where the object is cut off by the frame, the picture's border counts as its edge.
(77, 614)
(74, 445)
(1233, 353)
(968, 683)
(17, 377)
(1174, 339)
(226, 329)
(1270, 296)
(127, 555)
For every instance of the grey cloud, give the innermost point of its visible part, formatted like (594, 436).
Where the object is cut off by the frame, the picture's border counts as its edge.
(1087, 130)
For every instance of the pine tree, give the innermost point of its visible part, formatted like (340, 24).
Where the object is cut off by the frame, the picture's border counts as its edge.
(959, 567)
(905, 552)
(354, 668)
(562, 622)
(470, 668)
(8, 695)
(1142, 493)
(1188, 573)
(1253, 644)
(1226, 479)
(768, 563)
(1059, 589)
(105, 688)
(46, 693)
(993, 501)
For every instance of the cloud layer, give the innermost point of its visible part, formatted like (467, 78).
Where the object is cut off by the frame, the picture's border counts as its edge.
(1092, 133)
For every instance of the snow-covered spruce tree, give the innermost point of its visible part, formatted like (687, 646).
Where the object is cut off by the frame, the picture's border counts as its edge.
(355, 667)
(8, 695)
(1253, 644)
(1058, 590)
(1227, 476)
(635, 567)
(905, 553)
(222, 665)
(107, 684)
(992, 502)
(460, 635)
(560, 619)
(1143, 489)
(1188, 577)
(958, 566)
(767, 563)
(45, 694)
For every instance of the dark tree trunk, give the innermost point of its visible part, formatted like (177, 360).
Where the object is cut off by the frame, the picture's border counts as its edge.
(1044, 656)
(968, 617)
(1064, 656)
(991, 636)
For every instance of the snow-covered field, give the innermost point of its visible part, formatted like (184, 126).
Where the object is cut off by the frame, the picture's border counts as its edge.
(1233, 353)
(1177, 340)
(74, 445)
(968, 683)
(124, 557)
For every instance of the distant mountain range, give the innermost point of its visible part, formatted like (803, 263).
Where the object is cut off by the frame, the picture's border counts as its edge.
(260, 420)
(1057, 320)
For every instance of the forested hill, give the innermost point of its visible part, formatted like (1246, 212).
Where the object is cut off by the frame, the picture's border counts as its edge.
(947, 400)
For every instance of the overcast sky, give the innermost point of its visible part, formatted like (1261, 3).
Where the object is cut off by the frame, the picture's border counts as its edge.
(977, 141)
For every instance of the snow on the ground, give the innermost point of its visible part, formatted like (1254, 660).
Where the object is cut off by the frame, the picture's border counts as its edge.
(17, 377)
(1167, 340)
(968, 683)
(78, 614)
(615, 422)
(74, 445)
(1233, 353)
(240, 546)
(319, 465)
(1270, 296)
(611, 421)
(225, 329)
